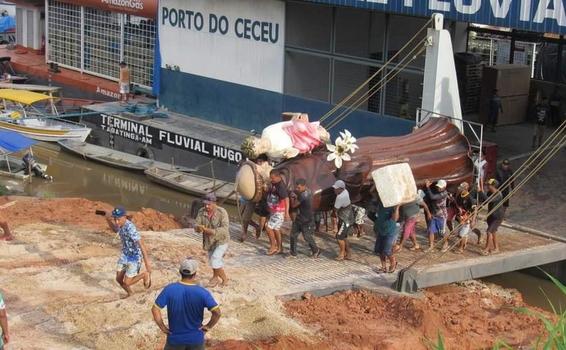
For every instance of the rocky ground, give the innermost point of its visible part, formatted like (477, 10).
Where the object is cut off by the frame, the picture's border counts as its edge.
(57, 278)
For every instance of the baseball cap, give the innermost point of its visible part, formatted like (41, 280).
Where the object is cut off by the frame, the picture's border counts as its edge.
(188, 266)
(464, 185)
(339, 184)
(441, 184)
(464, 194)
(505, 161)
(493, 182)
(209, 198)
(118, 212)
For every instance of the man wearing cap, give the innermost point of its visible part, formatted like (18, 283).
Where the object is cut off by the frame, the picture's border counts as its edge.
(439, 212)
(504, 173)
(496, 212)
(133, 250)
(212, 221)
(345, 215)
(465, 216)
(185, 301)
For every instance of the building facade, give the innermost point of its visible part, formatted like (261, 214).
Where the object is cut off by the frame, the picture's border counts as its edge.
(241, 63)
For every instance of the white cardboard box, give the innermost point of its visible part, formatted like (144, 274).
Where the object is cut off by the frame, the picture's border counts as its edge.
(395, 184)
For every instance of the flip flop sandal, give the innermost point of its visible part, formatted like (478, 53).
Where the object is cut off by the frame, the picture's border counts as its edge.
(413, 249)
(381, 270)
(212, 284)
(393, 268)
(339, 258)
(485, 252)
(272, 252)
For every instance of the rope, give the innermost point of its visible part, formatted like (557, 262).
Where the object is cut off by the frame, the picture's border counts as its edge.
(347, 98)
(373, 90)
(557, 147)
(544, 147)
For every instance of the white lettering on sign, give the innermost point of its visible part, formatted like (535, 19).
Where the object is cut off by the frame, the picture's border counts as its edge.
(469, 9)
(500, 8)
(133, 4)
(127, 129)
(550, 9)
(241, 42)
(107, 93)
(439, 5)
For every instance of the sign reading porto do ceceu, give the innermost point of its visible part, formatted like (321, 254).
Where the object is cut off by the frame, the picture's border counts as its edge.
(244, 28)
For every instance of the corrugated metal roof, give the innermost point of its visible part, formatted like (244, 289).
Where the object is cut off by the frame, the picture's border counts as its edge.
(546, 16)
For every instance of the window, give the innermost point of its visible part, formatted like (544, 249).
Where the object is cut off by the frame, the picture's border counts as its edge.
(404, 94)
(307, 76)
(308, 26)
(402, 29)
(64, 29)
(102, 39)
(360, 33)
(109, 38)
(347, 78)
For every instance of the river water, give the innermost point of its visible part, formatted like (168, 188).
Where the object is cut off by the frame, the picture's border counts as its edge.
(76, 177)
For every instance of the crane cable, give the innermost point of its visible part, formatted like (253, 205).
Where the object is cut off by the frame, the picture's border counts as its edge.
(534, 156)
(347, 98)
(374, 89)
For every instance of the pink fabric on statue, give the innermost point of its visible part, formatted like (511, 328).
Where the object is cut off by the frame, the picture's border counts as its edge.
(303, 134)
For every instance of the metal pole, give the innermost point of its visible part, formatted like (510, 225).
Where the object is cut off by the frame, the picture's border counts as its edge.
(82, 39)
(46, 31)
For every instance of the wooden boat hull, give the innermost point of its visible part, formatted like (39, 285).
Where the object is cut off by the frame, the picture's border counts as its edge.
(113, 158)
(192, 184)
(51, 131)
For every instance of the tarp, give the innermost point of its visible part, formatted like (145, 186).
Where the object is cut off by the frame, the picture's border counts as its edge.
(22, 96)
(7, 24)
(11, 141)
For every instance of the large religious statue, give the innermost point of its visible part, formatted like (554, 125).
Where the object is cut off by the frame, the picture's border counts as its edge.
(437, 150)
(287, 139)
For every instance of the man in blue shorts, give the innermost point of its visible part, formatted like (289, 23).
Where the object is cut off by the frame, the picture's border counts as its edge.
(387, 231)
(185, 301)
(439, 211)
(133, 250)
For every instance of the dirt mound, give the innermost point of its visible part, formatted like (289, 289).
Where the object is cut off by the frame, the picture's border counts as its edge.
(78, 212)
(469, 316)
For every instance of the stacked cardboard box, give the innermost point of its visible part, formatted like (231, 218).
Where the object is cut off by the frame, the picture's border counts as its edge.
(512, 82)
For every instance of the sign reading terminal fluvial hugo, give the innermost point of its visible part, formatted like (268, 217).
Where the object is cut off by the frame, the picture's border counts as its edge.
(246, 28)
(533, 15)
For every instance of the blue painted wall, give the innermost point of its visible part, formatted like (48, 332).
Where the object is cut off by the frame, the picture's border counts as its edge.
(248, 108)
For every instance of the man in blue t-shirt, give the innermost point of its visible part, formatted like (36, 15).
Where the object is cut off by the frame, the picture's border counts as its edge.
(185, 302)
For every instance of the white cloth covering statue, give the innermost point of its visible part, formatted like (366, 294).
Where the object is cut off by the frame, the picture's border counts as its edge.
(286, 139)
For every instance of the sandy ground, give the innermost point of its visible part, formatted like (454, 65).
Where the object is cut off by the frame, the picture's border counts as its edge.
(58, 280)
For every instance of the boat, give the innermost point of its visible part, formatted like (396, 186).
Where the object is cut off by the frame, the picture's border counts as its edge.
(20, 115)
(193, 184)
(10, 165)
(115, 159)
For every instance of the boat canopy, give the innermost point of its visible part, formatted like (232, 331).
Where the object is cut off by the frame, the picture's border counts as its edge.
(11, 142)
(22, 96)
